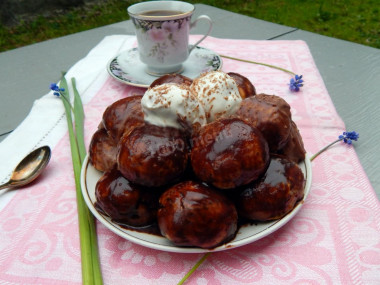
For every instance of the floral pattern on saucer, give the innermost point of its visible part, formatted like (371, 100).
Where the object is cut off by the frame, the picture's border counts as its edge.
(127, 67)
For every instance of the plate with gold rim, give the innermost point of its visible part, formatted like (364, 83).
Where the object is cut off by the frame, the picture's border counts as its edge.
(127, 67)
(246, 234)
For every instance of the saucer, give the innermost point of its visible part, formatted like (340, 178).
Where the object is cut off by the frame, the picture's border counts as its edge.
(127, 67)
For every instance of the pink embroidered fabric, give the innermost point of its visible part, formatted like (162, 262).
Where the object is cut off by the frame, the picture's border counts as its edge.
(334, 239)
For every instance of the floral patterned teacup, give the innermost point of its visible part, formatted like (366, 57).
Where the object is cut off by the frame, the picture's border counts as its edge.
(162, 30)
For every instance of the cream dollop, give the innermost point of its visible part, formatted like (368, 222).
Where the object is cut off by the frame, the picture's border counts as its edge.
(218, 93)
(172, 105)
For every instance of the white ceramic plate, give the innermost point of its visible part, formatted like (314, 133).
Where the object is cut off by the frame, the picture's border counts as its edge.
(245, 235)
(127, 67)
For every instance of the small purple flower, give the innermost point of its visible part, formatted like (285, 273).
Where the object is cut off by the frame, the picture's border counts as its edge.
(54, 87)
(348, 137)
(296, 83)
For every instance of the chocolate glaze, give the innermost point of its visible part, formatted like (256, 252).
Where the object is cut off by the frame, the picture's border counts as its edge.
(246, 88)
(126, 202)
(274, 194)
(153, 156)
(152, 228)
(294, 148)
(271, 115)
(172, 78)
(228, 153)
(232, 154)
(102, 150)
(122, 116)
(192, 214)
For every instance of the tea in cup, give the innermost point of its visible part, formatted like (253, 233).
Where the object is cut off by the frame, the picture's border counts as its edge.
(162, 31)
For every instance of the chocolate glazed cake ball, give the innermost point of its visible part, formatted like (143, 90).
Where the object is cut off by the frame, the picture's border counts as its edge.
(271, 115)
(125, 202)
(172, 78)
(275, 194)
(229, 153)
(153, 156)
(192, 214)
(123, 115)
(246, 88)
(294, 148)
(102, 150)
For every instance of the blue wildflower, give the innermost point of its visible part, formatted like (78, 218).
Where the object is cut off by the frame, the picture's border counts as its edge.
(348, 137)
(54, 87)
(296, 83)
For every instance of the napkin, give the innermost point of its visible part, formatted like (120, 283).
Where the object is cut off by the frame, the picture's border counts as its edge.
(334, 239)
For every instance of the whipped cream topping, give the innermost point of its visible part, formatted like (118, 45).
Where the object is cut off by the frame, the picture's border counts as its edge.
(172, 105)
(218, 93)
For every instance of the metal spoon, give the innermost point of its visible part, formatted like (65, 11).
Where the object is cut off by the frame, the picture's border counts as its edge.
(29, 168)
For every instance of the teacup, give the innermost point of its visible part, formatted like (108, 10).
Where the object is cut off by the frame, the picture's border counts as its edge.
(162, 30)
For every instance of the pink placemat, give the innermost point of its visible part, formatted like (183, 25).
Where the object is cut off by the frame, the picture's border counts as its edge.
(334, 239)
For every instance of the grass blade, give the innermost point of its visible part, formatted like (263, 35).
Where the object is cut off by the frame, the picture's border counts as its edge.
(79, 121)
(195, 267)
(79, 127)
(85, 230)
